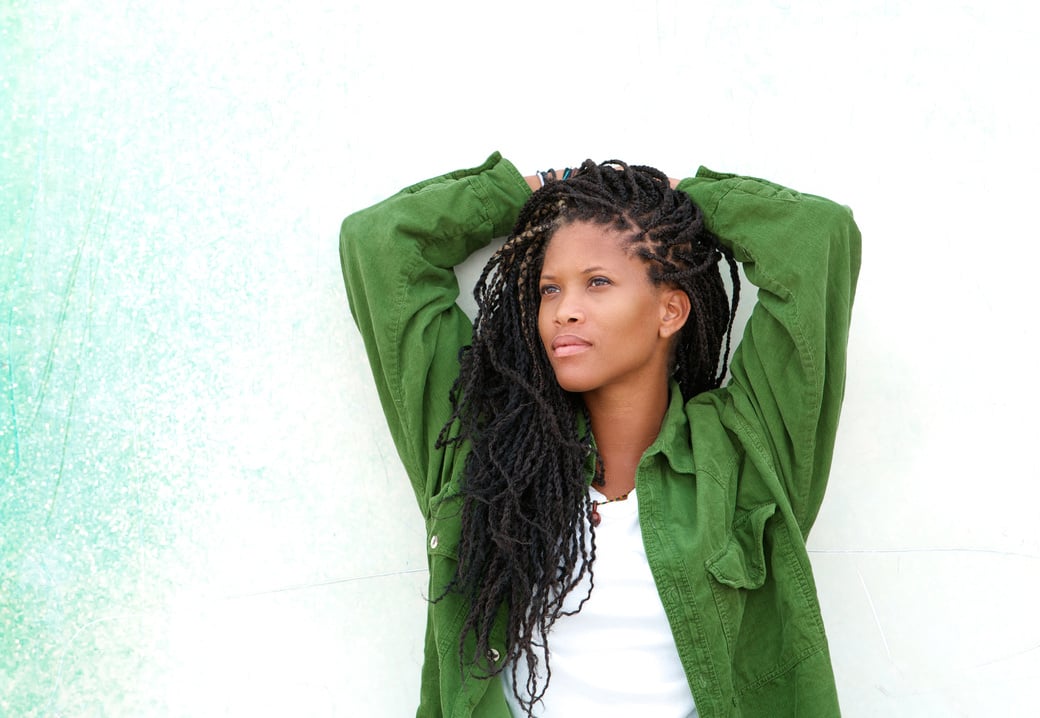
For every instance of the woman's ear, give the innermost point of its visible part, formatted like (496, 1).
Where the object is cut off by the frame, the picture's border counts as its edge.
(675, 310)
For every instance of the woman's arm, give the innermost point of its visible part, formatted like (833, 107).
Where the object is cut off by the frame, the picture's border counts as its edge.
(788, 374)
(398, 258)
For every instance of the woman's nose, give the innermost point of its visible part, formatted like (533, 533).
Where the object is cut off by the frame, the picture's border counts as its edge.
(568, 312)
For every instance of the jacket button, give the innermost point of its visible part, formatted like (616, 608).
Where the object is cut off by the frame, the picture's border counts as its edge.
(433, 541)
(493, 655)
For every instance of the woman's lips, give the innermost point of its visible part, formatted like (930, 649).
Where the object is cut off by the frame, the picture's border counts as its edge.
(567, 345)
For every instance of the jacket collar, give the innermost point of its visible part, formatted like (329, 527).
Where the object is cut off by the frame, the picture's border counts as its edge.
(674, 439)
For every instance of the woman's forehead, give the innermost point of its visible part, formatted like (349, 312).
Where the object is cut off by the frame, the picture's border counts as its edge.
(582, 238)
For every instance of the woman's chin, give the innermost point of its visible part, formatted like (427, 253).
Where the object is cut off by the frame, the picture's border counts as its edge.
(574, 384)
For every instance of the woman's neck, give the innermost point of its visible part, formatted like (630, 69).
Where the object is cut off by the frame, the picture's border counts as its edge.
(625, 425)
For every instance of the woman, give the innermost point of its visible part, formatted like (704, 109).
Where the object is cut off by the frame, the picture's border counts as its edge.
(608, 527)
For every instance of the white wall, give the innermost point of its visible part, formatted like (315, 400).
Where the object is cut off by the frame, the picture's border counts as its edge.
(202, 510)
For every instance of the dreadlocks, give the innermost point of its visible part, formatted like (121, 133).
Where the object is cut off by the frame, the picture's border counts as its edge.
(523, 495)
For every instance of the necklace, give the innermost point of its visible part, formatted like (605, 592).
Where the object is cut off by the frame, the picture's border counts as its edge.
(594, 517)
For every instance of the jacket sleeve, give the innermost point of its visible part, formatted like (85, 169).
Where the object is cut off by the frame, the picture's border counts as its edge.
(802, 252)
(398, 258)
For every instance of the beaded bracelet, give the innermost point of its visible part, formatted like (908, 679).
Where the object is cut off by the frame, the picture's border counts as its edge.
(550, 175)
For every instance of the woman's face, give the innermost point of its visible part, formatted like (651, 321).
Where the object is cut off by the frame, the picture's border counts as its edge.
(602, 322)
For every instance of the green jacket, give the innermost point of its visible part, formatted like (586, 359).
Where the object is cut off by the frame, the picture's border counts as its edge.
(731, 486)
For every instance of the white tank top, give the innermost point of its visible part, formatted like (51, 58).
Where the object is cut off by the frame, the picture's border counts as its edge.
(617, 656)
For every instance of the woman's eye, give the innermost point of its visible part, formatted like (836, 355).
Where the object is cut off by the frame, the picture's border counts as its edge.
(548, 289)
(599, 282)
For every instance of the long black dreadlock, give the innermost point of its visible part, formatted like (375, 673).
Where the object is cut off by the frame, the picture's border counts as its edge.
(523, 494)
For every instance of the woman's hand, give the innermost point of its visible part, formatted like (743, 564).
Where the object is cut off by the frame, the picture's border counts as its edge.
(535, 182)
(540, 179)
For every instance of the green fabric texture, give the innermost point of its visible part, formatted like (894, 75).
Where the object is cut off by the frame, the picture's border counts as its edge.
(731, 486)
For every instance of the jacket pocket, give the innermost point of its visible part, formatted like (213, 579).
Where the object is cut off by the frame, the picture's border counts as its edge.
(442, 544)
(765, 598)
(447, 608)
(742, 562)
(464, 680)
